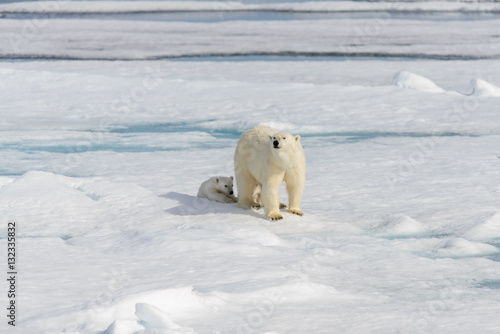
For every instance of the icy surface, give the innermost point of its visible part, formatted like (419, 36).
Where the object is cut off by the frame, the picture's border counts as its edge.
(101, 163)
(78, 6)
(103, 30)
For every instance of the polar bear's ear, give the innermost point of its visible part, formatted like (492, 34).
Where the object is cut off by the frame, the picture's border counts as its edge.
(231, 178)
(217, 180)
(297, 138)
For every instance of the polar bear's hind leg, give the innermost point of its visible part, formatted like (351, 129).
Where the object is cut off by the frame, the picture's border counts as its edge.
(246, 190)
(257, 199)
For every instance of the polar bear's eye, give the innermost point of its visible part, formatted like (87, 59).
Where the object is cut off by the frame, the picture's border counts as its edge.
(225, 185)
(284, 137)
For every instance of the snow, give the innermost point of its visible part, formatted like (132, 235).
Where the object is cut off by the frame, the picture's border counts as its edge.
(403, 226)
(484, 88)
(488, 229)
(409, 80)
(102, 160)
(152, 317)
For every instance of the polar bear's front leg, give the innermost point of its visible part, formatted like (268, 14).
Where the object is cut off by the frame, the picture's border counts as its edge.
(295, 187)
(219, 197)
(233, 198)
(271, 195)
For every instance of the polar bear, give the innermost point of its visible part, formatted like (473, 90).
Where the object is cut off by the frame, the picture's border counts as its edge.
(218, 188)
(263, 159)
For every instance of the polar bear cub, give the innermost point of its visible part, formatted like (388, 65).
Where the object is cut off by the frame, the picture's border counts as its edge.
(218, 188)
(263, 160)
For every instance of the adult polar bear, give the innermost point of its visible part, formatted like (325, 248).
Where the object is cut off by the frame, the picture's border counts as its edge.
(263, 159)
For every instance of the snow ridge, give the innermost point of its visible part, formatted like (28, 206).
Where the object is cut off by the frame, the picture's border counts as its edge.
(484, 89)
(410, 80)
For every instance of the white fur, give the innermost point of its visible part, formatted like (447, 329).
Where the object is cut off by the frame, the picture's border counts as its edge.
(218, 188)
(260, 169)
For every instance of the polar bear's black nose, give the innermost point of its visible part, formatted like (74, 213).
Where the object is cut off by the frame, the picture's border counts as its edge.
(276, 143)
(231, 192)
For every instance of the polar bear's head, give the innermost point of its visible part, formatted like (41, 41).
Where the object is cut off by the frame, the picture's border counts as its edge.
(283, 141)
(224, 185)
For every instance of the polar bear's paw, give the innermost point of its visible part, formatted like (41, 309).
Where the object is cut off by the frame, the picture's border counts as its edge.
(230, 199)
(248, 206)
(275, 216)
(255, 205)
(297, 212)
(282, 205)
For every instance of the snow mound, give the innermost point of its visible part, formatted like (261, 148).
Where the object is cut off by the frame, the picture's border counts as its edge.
(488, 230)
(451, 248)
(48, 195)
(484, 89)
(156, 309)
(66, 206)
(413, 81)
(402, 226)
(152, 317)
(463, 248)
(123, 327)
(178, 302)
